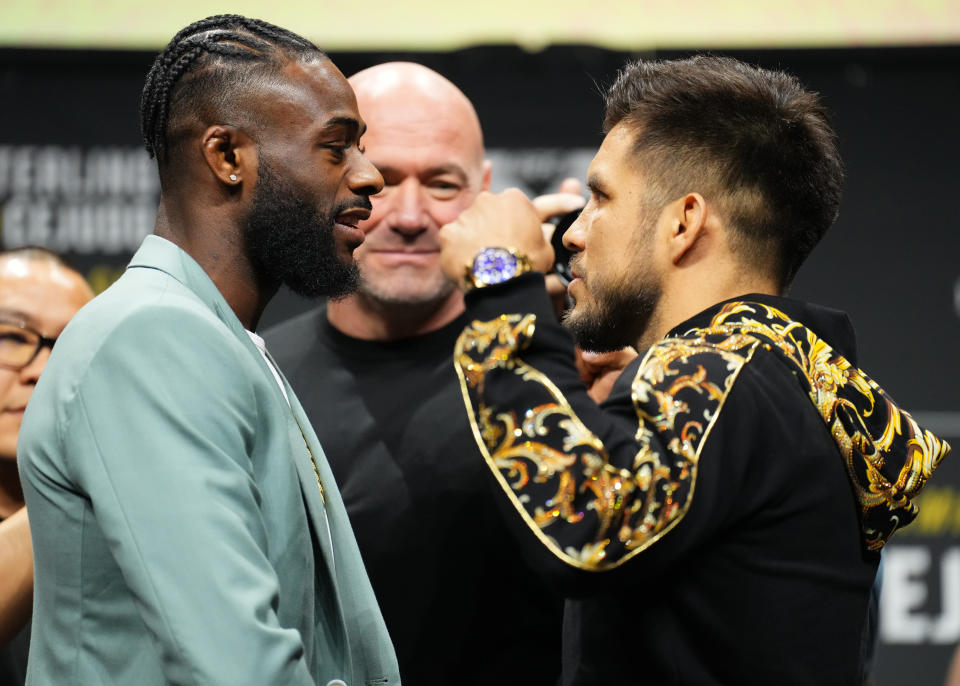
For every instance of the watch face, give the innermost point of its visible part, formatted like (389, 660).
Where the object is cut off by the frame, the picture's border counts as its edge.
(494, 265)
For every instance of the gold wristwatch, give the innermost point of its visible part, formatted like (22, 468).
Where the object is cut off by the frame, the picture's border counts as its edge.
(495, 265)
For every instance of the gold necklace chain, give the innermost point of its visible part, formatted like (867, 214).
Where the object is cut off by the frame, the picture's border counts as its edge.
(313, 462)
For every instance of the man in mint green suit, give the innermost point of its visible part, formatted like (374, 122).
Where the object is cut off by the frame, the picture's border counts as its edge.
(186, 526)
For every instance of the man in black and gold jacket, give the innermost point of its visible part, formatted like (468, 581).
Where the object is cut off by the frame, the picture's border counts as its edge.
(718, 519)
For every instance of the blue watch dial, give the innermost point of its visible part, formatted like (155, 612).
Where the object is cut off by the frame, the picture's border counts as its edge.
(494, 265)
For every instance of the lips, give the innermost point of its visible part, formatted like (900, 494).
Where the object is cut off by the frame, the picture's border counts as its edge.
(352, 217)
(400, 250)
(347, 223)
(575, 272)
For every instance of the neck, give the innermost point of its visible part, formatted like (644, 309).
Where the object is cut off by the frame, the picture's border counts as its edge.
(247, 297)
(692, 294)
(11, 494)
(218, 247)
(361, 316)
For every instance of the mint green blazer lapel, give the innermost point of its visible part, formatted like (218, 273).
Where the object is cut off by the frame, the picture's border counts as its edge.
(301, 433)
(328, 502)
(371, 651)
(370, 644)
(159, 253)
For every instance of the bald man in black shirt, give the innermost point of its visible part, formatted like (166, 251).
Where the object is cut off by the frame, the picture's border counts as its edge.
(374, 372)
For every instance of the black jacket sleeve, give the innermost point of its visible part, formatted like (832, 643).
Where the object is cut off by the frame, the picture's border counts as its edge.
(597, 489)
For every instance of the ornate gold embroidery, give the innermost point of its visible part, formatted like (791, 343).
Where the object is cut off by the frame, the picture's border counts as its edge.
(679, 391)
(887, 455)
(618, 510)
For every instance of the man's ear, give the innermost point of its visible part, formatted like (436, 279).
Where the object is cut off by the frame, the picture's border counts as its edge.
(688, 219)
(487, 170)
(230, 154)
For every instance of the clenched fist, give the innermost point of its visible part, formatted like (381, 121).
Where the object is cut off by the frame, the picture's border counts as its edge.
(506, 220)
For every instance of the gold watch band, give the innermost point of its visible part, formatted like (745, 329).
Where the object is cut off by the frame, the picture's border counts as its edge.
(495, 265)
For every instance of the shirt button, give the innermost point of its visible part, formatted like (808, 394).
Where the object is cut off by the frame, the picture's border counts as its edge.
(336, 682)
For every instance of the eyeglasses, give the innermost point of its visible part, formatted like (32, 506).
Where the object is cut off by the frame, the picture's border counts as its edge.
(20, 345)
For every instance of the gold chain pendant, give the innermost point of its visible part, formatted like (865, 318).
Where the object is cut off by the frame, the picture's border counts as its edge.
(313, 462)
(316, 472)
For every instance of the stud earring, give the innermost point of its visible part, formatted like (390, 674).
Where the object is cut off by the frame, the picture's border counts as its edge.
(233, 177)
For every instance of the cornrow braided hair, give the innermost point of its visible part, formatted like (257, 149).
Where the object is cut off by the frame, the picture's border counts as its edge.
(201, 64)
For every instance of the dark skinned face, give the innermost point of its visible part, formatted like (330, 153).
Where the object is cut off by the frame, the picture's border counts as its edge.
(291, 241)
(313, 184)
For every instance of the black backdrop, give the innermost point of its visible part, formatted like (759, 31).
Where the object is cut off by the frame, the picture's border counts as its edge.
(72, 176)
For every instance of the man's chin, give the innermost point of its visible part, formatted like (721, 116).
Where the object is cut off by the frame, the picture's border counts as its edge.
(592, 332)
(346, 257)
(334, 283)
(402, 293)
(574, 317)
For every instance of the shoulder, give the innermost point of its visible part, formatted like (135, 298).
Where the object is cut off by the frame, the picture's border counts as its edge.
(741, 341)
(155, 324)
(139, 298)
(145, 337)
(687, 384)
(698, 361)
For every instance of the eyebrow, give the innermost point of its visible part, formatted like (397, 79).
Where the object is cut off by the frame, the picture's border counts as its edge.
(595, 184)
(17, 316)
(454, 169)
(349, 123)
(430, 172)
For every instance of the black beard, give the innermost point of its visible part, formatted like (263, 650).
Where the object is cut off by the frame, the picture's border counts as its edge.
(289, 241)
(615, 320)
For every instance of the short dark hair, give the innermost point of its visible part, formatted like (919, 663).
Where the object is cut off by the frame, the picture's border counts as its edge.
(208, 68)
(753, 139)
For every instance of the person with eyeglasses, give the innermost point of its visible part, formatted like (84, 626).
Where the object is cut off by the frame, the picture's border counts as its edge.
(39, 294)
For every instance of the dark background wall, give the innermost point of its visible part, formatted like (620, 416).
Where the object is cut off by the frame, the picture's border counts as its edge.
(72, 176)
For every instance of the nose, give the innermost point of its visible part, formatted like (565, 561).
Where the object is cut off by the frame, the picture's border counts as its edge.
(408, 214)
(573, 237)
(365, 178)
